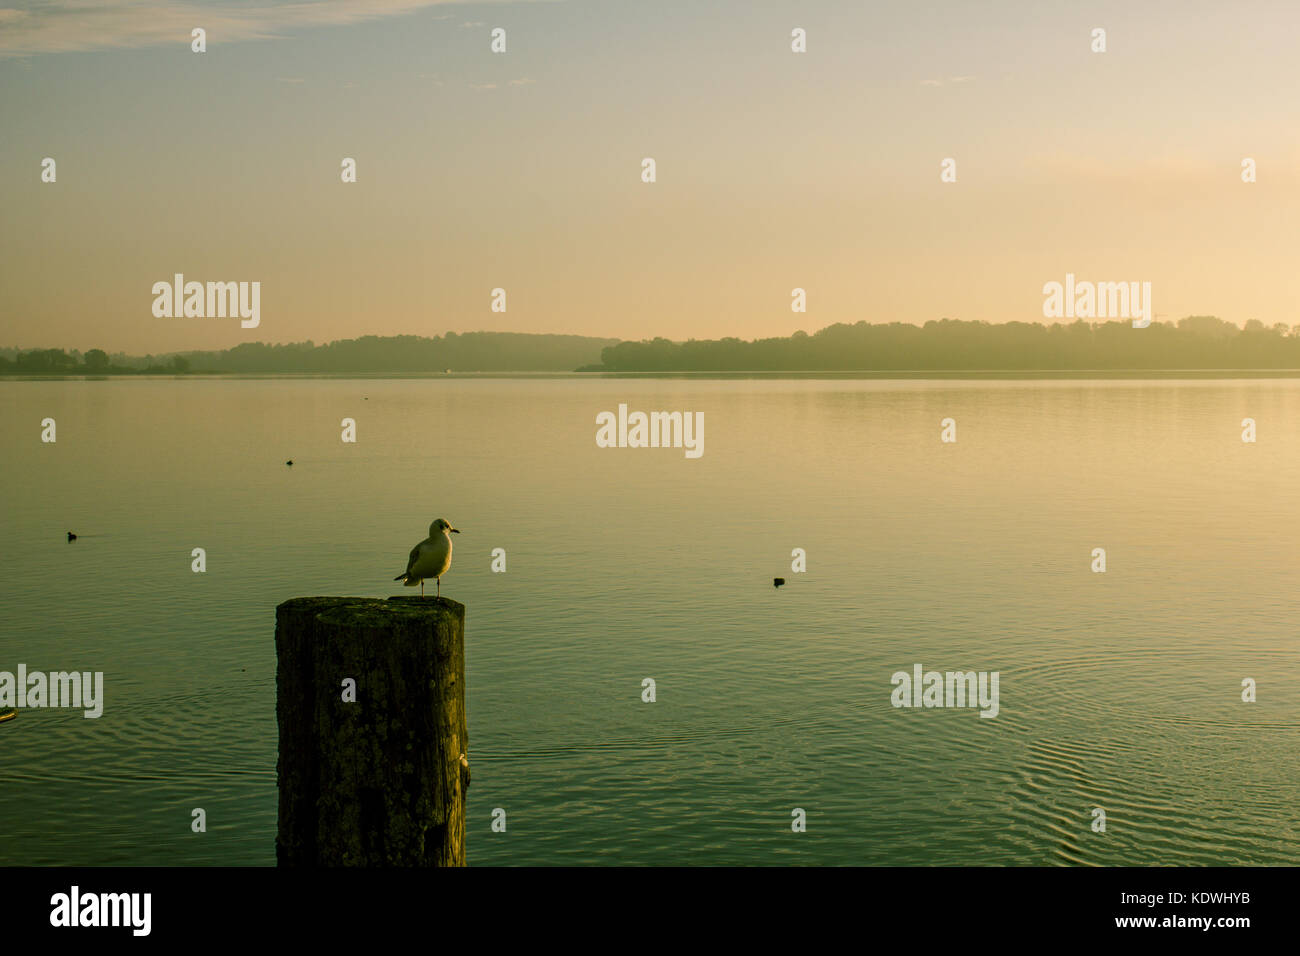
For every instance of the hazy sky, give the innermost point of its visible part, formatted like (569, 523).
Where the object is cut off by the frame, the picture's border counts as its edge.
(523, 170)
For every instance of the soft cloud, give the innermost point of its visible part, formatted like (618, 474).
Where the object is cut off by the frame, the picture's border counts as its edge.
(1185, 170)
(951, 79)
(61, 26)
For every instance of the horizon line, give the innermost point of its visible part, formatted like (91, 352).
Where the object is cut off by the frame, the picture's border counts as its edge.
(614, 338)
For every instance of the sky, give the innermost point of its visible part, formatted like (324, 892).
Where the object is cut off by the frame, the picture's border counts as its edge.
(522, 170)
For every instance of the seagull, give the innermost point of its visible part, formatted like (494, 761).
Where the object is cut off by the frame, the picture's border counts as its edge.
(430, 558)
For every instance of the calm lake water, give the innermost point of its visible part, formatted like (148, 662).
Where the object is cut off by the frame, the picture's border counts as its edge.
(1119, 690)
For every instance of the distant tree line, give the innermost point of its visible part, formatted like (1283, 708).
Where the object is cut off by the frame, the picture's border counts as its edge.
(465, 352)
(93, 362)
(468, 352)
(1196, 342)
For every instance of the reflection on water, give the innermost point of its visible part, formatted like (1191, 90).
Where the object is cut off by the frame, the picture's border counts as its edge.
(1119, 690)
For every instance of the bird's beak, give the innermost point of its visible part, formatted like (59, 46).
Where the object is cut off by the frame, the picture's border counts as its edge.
(455, 531)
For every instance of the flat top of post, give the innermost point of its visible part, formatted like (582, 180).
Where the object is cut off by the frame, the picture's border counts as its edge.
(398, 606)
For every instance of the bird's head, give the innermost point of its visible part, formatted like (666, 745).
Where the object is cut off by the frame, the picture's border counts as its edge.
(441, 526)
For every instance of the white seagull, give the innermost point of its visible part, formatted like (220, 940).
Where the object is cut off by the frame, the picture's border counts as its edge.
(430, 558)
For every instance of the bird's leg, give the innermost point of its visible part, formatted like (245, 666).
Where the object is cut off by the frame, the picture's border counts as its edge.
(421, 587)
(439, 587)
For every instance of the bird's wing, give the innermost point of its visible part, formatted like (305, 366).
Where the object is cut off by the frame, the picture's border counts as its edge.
(415, 556)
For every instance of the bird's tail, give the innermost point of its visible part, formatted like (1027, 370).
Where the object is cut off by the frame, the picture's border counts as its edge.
(400, 577)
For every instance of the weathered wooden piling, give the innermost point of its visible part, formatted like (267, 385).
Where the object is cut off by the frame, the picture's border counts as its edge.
(378, 781)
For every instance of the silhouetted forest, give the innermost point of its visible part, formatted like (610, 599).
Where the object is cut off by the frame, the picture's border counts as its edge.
(1196, 342)
(467, 352)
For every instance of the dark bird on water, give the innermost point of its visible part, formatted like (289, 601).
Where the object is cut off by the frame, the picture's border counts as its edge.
(289, 462)
(71, 536)
(777, 582)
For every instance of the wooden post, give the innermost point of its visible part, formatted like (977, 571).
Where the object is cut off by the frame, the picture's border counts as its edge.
(378, 782)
